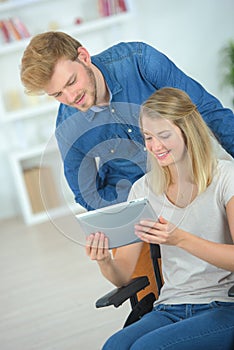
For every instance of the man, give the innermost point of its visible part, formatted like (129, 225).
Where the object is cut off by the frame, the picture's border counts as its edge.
(97, 123)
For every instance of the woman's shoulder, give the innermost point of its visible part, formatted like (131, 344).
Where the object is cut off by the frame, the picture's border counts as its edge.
(225, 165)
(224, 171)
(140, 188)
(142, 182)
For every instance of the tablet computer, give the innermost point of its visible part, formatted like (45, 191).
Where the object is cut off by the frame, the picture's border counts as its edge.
(117, 221)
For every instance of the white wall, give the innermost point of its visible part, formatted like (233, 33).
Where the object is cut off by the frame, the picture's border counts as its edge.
(191, 33)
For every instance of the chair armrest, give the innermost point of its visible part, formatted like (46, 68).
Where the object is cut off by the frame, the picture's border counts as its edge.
(231, 292)
(119, 295)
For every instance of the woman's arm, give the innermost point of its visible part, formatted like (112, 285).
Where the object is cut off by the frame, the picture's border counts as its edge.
(163, 232)
(117, 270)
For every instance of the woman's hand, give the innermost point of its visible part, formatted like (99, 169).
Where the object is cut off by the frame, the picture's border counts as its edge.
(119, 269)
(97, 247)
(160, 232)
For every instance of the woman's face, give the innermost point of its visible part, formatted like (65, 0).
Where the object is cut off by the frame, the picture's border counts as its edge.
(164, 140)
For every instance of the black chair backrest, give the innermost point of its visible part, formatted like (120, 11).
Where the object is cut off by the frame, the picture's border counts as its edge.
(155, 255)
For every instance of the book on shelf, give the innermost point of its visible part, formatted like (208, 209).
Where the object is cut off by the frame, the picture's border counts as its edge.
(111, 7)
(5, 33)
(21, 28)
(13, 29)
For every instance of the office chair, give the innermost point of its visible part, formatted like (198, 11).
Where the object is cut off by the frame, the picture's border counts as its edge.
(139, 307)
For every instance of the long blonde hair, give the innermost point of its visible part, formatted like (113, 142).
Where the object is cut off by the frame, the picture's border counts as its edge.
(176, 106)
(40, 57)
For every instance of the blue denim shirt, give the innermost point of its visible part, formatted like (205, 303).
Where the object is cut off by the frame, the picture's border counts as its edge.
(103, 152)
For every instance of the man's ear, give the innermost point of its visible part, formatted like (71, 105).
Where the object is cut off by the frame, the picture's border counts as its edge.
(83, 55)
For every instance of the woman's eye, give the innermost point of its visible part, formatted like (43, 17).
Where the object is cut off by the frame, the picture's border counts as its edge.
(165, 136)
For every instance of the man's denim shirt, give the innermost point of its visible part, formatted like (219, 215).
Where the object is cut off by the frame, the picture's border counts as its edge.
(103, 152)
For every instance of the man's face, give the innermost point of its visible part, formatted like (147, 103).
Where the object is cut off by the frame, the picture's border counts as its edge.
(73, 83)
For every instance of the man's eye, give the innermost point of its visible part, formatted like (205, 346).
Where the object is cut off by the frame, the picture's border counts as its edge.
(58, 94)
(71, 82)
(148, 138)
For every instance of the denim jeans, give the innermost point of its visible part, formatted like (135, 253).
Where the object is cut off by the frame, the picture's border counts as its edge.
(179, 327)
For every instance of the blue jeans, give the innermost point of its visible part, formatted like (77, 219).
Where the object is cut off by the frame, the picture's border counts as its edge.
(179, 327)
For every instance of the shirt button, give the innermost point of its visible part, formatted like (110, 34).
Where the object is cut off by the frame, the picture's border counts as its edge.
(112, 151)
(144, 148)
(129, 130)
(112, 110)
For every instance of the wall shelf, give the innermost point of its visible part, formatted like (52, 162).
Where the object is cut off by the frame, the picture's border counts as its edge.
(27, 122)
(30, 112)
(83, 28)
(11, 5)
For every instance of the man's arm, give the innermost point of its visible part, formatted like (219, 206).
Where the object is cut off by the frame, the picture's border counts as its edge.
(122, 160)
(90, 184)
(161, 72)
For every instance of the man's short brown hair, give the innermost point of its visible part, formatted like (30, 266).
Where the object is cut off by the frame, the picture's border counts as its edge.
(40, 57)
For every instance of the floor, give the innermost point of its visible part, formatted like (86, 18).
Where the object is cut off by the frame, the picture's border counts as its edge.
(48, 291)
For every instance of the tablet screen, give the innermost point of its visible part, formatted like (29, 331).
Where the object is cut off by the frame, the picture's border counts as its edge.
(117, 221)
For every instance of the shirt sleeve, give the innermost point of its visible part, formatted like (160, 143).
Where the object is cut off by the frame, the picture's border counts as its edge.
(95, 186)
(139, 189)
(90, 184)
(227, 181)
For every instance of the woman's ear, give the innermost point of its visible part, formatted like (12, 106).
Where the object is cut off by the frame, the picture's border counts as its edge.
(83, 55)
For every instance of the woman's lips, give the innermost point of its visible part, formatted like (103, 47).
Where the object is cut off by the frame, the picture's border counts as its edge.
(162, 155)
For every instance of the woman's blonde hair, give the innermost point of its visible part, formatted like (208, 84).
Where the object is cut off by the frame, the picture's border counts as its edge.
(41, 56)
(176, 106)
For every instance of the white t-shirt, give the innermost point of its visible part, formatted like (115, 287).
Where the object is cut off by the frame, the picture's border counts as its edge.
(188, 279)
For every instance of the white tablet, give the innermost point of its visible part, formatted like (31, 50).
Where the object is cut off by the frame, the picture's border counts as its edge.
(117, 221)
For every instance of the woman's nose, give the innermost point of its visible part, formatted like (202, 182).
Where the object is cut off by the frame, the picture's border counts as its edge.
(157, 145)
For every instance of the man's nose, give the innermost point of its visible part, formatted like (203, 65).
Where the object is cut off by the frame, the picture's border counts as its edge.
(70, 95)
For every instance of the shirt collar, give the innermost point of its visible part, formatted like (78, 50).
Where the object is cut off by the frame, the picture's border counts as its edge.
(113, 84)
(98, 109)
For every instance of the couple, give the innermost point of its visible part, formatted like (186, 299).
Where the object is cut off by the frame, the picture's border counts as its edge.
(190, 189)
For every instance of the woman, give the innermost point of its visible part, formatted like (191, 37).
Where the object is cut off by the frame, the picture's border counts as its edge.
(193, 195)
